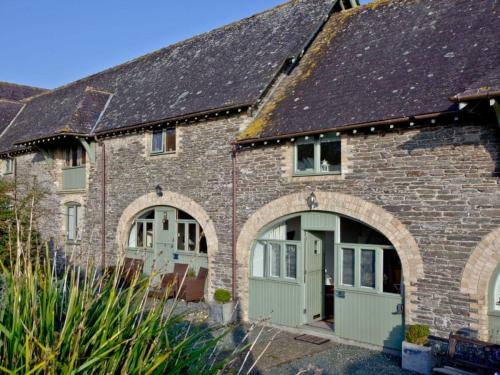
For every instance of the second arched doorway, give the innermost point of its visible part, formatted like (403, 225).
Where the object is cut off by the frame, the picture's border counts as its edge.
(162, 236)
(326, 271)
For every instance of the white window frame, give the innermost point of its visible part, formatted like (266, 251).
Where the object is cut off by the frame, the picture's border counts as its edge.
(163, 150)
(316, 141)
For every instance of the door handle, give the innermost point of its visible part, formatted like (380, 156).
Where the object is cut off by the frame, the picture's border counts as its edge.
(400, 308)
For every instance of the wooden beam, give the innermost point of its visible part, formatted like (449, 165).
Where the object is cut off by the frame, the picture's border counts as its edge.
(47, 155)
(90, 148)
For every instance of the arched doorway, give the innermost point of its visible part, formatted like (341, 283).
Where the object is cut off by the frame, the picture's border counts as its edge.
(329, 272)
(494, 307)
(162, 236)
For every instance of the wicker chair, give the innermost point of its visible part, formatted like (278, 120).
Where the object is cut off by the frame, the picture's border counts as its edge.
(193, 288)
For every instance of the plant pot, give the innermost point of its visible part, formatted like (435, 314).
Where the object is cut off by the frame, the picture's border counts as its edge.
(417, 358)
(222, 313)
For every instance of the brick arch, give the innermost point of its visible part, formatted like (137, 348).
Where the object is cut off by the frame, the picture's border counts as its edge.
(180, 202)
(477, 275)
(338, 203)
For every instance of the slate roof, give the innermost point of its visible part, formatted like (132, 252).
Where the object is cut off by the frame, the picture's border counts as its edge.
(228, 67)
(8, 110)
(13, 91)
(386, 60)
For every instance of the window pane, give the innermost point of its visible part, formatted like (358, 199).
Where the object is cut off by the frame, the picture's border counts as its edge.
(192, 237)
(496, 296)
(275, 259)
(330, 156)
(170, 140)
(203, 242)
(157, 141)
(258, 260)
(74, 156)
(149, 235)
(181, 236)
(71, 223)
(368, 268)
(68, 157)
(305, 157)
(392, 272)
(140, 234)
(78, 221)
(291, 261)
(132, 236)
(348, 267)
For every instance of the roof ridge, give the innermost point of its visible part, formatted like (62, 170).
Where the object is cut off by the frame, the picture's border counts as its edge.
(164, 49)
(22, 85)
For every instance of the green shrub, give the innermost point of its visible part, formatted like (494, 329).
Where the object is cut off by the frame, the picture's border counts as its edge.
(418, 334)
(222, 296)
(87, 323)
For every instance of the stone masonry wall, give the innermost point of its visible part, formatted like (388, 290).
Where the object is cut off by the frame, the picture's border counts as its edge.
(439, 181)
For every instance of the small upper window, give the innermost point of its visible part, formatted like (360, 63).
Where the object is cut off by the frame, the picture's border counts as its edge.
(73, 221)
(317, 155)
(75, 156)
(163, 141)
(9, 166)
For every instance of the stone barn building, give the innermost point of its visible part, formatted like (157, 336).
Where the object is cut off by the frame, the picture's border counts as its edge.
(335, 168)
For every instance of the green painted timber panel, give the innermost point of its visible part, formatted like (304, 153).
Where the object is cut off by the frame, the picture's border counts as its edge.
(369, 317)
(494, 327)
(74, 178)
(279, 301)
(314, 276)
(319, 221)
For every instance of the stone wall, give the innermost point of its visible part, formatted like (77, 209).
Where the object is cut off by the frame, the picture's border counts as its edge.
(439, 181)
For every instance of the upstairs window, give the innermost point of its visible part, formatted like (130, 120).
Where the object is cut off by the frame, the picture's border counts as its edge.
(75, 156)
(163, 141)
(317, 155)
(73, 221)
(8, 166)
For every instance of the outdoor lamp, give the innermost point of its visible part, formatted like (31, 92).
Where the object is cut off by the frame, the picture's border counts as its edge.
(158, 190)
(312, 202)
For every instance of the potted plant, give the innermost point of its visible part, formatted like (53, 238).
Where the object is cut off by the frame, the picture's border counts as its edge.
(222, 309)
(416, 351)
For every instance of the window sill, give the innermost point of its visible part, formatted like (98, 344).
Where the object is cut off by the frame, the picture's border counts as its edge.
(312, 174)
(151, 153)
(494, 313)
(76, 167)
(72, 191)
(74, 243)
(8, 174)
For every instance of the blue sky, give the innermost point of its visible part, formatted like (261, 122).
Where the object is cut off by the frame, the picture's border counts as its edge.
(53, 42)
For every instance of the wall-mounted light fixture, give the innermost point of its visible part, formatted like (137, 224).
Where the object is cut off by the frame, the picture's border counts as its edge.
(312, 202)
(159, 190)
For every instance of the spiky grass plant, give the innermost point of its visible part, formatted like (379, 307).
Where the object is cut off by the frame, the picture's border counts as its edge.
(88, 322)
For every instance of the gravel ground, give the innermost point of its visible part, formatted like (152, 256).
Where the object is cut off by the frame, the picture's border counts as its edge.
(341, 359)
(276, 352)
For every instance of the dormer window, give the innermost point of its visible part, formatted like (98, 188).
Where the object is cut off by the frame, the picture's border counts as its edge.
(316, 155)
(163, 141)
(75, 156)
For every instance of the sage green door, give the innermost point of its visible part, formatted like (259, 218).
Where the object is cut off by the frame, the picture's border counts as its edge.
(164, 238)
(364, 311)
(313, 273)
